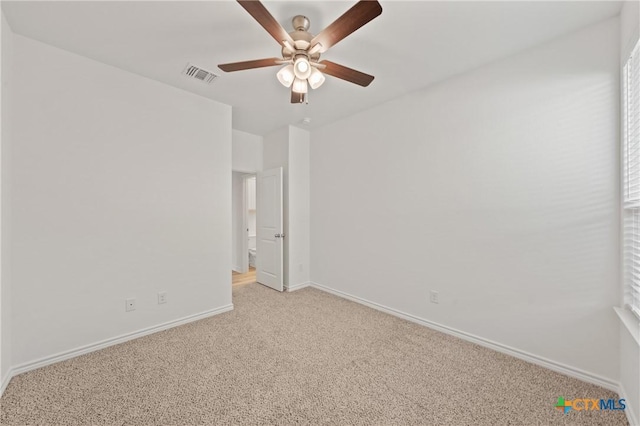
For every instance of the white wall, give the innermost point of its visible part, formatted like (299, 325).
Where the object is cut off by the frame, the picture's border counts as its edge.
(5, 279)
(630, 369)
(629, 27)
(121, 188)
(276, 149)
(236, 221)
(630, 344)
(498, 189)
(246, 152)
(298, 232)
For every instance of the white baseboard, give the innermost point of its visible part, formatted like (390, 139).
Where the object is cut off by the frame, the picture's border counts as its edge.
(298, 286)
(632, 418)
(5, 380)
(517, 353)
(52, 359)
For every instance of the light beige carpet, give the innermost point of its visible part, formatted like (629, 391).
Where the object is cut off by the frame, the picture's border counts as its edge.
(297, 358)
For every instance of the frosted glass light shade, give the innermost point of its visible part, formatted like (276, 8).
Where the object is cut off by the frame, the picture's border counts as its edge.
(316, 78)
(299, 86)
(286, 76)
(302, 68)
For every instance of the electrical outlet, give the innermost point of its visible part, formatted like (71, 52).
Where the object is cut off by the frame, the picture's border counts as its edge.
(300, 267)
(130, 305)
(162, 297)
(433, 296)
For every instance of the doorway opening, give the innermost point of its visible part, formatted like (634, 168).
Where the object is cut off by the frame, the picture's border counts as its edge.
(258, 228)
(244, 228)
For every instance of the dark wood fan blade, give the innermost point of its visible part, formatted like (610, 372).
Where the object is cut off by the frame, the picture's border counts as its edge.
(264, 18)
(247, 65)
(354, 18)
(345, 73)
(298, 98)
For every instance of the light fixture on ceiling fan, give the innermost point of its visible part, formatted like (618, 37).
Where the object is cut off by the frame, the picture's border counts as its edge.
(301, 50)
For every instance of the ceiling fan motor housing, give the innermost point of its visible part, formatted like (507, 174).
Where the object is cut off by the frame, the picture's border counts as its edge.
(301, 38)
(300, 23)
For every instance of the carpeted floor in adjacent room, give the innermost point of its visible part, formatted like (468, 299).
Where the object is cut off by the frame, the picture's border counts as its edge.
(297, 358)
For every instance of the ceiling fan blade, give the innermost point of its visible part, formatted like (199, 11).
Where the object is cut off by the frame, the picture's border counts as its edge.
(268, 22)
(345, 73)
(354, 18)
(298, 98)
(247, 65)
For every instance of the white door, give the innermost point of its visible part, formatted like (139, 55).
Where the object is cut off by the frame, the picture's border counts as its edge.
(269, 233)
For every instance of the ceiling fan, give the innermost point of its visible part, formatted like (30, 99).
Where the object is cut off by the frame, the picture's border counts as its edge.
(301, 50)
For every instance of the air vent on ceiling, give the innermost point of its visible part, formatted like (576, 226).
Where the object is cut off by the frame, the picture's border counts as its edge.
(199, 74)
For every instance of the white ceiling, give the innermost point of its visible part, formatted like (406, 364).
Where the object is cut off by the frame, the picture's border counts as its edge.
(411, 45)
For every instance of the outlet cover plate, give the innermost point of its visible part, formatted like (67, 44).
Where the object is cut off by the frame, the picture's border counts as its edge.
(130, 305)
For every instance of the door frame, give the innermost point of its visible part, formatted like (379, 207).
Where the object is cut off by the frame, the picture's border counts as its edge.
(242, 266)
